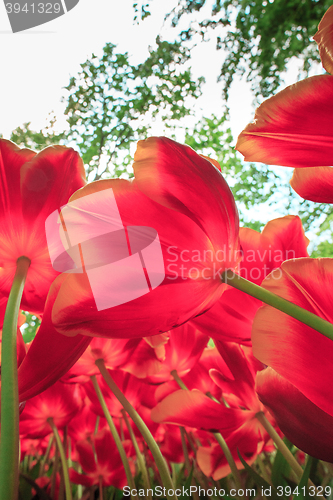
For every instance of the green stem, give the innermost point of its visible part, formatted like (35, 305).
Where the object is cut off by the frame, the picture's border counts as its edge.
(145, 432)
(139, 455)
(263, 470)
(230, 459)
(68, 488)
(186, 457)
(46, 456)
(96, 424)
(219, 439)
(54, 472)
(177, 379)
(114, 433)
(282, 446)
(9, 442)
(322, 326)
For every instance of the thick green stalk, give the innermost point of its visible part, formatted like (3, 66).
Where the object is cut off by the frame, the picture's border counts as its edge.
(9, 442)
(139, 455)
(282, 447)
(114, 433)
(46, 456)
(219, 438)
(63, 459)
(145, 432)
(178, 380)
(186, 457)
(321, 325)
(230, 459)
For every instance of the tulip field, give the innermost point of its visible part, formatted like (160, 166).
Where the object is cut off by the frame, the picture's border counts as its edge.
(178, 354)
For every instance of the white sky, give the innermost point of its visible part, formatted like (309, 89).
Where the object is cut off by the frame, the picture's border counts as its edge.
(36, 64)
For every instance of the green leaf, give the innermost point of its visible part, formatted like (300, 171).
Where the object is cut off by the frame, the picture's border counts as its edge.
(304, 479)
(260, 482)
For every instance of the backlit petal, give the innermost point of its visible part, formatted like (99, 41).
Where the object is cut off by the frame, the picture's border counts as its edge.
(173, 175)
(296, 351)
(194, 409)
(324, 39)
(293, 128)
(314, 184)
(50, 354)
(304, 424)
(191, 283)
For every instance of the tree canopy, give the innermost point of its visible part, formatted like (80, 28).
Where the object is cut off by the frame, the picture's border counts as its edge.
(258, 37)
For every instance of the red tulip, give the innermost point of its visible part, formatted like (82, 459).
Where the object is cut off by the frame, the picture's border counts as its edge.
(82, 426)
(145, 359)
(32, 187)
(297, 386)
(171, 444)
(314, 184)
(294, 127)
(50, 354)
(182, 351)
(133, 388)
(59, 402)
(235, 417)
(304, 423)
(100, 461)
(213, 463)
(232, 316)
(114, 352)
(190, 218)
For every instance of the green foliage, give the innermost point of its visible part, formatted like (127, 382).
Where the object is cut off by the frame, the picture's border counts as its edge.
(259, 37)
(141, 12)
(252, 184)
(29, 328)
(258, 480)
(112, 103)
(281, 468)
(323, 249)
(26, 137)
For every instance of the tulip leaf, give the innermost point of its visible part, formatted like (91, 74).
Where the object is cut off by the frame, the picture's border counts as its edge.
(304, 480)
(281, 468)
(259, 481)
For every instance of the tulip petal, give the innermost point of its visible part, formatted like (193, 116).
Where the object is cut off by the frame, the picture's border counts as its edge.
(314, 184)
(196, 410)
(324, 39)
(293, 128)
(281, 239)
(173, 175)
(77, 478)
(50, 355)
(304, 424)
(86, 454)
(32, 186)
(296, 351)
(10, 193)
(48, 180)
(190, 268)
